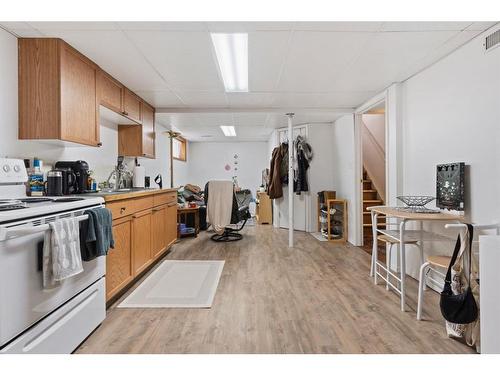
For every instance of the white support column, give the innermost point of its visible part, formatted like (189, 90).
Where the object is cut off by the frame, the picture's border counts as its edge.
(290, 180)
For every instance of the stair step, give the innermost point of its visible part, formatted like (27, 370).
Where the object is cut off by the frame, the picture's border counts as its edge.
(372, 201)
(379, 225)
(369, 191)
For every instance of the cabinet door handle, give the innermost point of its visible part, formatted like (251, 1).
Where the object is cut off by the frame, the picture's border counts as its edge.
(172, 204)
(157, 209)
(123, 209)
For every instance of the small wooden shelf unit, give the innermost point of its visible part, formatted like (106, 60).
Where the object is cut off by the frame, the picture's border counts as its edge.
(336, 222)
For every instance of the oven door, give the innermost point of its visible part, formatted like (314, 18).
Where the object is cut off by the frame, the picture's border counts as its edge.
(23, 300)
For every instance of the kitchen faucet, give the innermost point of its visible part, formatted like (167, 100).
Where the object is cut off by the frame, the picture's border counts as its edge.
(120, 174)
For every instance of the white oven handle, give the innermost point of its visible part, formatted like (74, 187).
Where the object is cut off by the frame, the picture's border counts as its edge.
(8, 233)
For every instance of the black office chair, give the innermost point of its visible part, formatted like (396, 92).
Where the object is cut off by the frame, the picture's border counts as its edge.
(239, 214)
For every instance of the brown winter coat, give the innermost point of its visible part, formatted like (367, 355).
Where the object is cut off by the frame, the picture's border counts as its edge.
(275, 188)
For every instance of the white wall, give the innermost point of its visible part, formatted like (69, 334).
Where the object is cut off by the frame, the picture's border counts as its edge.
(101, 160)
(451, 113)
(320, 174)
(375, 123)
(343, 166)
(208, 159)
(373, 150)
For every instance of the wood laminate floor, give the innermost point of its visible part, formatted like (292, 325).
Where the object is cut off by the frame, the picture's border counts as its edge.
(314, 298)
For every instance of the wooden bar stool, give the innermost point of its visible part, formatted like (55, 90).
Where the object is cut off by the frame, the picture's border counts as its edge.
(433, 262)
(390, 241)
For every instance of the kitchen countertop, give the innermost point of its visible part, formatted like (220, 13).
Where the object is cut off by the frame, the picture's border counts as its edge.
(129, 193)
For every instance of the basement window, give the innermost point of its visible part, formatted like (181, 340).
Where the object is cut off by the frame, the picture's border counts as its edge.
(179, 149)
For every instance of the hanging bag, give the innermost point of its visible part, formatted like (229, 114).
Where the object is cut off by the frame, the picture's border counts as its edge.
(459, 308)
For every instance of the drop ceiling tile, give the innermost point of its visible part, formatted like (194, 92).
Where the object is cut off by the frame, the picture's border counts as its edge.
(299, 100)
(249, 119)
(163, 26)
(185, 59)
(215, 119)
(344, 99)
(481, 26)
(266, 54)
(42, 26)
(16, 25)
(203, 99)
(115, 54)
(314, 61)
(440, 52)
(387, 56)
(21, 29)
(161, 98)
(424, 26)
(338, 26)
(232, 27)
(249, 99)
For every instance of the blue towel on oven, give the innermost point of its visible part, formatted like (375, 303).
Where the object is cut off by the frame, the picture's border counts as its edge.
(96, 233)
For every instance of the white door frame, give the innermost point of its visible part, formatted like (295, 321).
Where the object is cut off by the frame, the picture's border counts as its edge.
(393, 152)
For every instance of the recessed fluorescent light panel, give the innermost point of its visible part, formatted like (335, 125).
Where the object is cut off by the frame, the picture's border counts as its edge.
(228, 131)
(232, 56)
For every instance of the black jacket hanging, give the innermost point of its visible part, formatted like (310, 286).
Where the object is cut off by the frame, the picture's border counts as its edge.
(302, 155)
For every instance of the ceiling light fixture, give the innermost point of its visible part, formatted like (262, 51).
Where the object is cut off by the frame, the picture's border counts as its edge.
(228, 131)
(232, 56)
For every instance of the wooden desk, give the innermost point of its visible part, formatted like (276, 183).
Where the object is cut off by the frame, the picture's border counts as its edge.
(189, 211)
(403, 236)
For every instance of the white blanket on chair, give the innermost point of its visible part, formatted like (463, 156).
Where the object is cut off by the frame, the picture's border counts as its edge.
(220, 204)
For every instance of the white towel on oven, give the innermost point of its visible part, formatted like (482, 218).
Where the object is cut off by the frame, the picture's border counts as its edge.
(62, 258)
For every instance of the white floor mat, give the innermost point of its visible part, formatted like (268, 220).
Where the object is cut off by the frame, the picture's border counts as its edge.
(178, 284)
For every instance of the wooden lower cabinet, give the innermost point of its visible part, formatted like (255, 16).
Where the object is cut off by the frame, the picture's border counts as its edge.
(141, 240)
(171, 223)
(119, 262)
(159, 231)
(144, 228)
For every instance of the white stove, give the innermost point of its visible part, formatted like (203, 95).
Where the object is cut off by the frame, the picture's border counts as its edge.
(34, 319)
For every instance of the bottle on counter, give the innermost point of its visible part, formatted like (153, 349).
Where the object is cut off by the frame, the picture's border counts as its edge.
(35, 179)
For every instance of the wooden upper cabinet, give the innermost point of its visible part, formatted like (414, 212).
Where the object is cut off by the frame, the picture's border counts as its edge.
(131, 106)
(109, 92)
(78, 95)
(138, 140)
(57, 92)
(148, 131)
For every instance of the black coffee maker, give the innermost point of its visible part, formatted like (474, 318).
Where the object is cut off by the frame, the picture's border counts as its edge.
(81, 170)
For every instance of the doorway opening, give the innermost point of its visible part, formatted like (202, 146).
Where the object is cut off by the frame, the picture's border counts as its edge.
(373, 134)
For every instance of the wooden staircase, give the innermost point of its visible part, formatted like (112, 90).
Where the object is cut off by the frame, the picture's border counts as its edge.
(370, 198)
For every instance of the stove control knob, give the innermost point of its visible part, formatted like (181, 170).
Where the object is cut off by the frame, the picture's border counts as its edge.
(17, 168)
(6, 168)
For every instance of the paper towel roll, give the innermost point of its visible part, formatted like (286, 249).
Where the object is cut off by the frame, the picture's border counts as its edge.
(139, 174)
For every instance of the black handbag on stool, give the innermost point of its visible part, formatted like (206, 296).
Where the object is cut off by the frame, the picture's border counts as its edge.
(459, 308)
